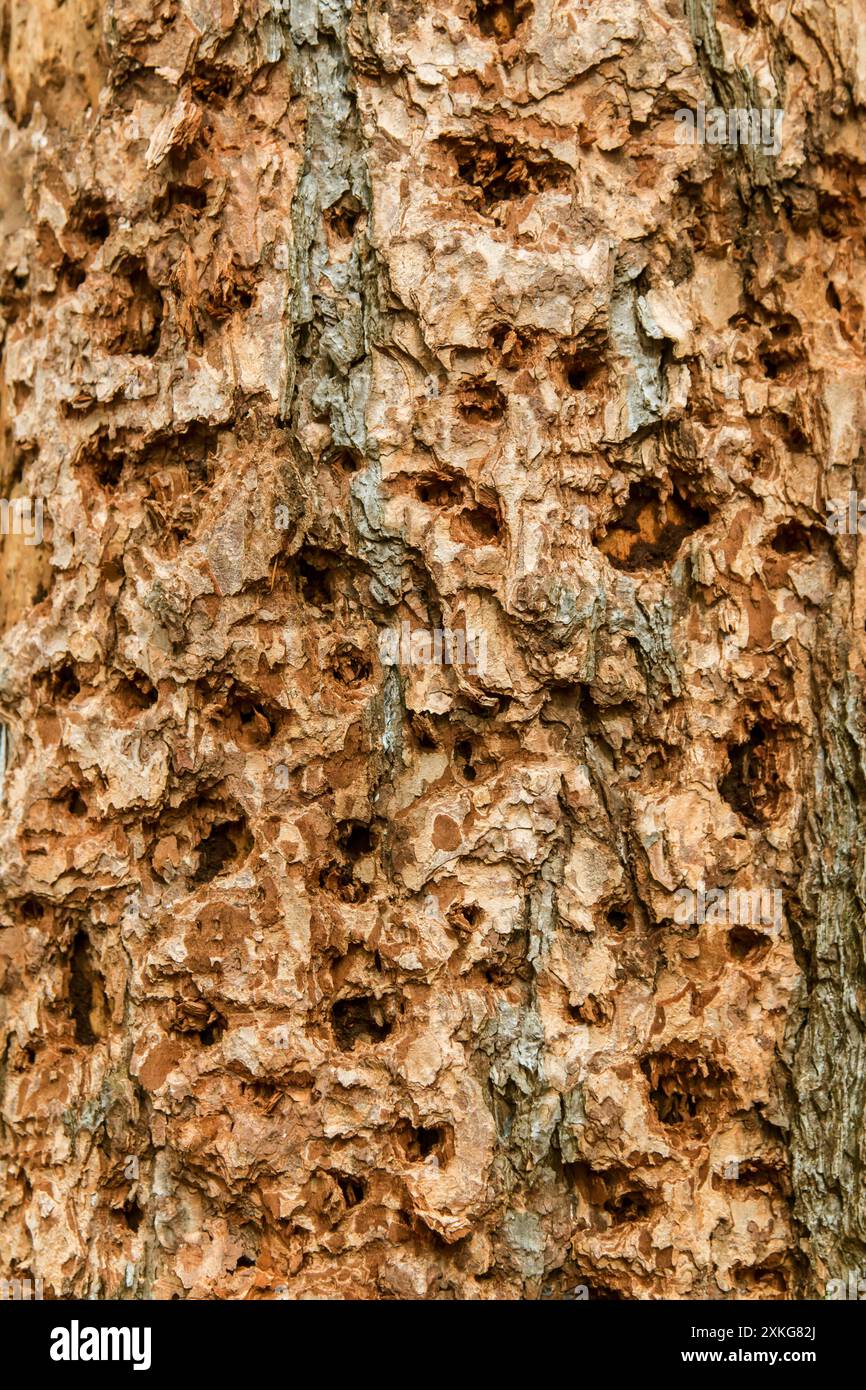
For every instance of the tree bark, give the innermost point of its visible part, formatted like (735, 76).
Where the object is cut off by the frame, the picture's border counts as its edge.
(432, 824)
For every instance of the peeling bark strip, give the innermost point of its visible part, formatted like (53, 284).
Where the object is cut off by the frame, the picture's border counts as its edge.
(329, 968)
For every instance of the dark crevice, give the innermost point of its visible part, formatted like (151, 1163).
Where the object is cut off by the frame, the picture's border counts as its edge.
(501, 19)
(752, 785)
(744, 943)
(361, 1020)
(87, 1002)
(480, 401)
(225, 848)
(418, 1142)
(349, 666)
(682, 1087)
(498, 170)
(649, 531)
(356, 839)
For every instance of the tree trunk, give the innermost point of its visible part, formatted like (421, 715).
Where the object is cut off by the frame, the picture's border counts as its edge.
(432, 829)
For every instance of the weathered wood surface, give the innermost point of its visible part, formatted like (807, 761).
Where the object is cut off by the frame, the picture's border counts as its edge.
(435, 583)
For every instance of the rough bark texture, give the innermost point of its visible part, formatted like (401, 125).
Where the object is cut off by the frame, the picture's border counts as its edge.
(329, 977)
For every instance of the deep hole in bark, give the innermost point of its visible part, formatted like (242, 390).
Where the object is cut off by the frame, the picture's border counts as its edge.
(755, 1172)
(90, 217)
(439, 492)
(418, 1142)
(87, 1002)
(356, 839)
(796, 440)
(611, 1190)
(132, 1214)
(512, 345)
(620, 917)
(602, 1293)
(745, 12)
(249, 713)
(74, 276)
(212, 1032)
(338, 880)
(463, 755)
(108, 470)
(213, 82)
(314, 579)
(349, 666)
(179, 196)
(240, 714)
(74, 802)
(792, 538)
(464, 917)
(136, 328)
(250, 720)
(61, 684)
(225, 847)
(501, 19)
(634, 1205)
(744, 942)
(346, 460)
(479, 525)
(649, 532)
(590, 712)
(480, 401)
(784, 353)
(580, 370)
(341, 218)
(776, 362)
(359, 1020)
(175, 463)
(497, 170)
(424, 730)
(136, 692)
(682, 1087)
(752, 785)
(354, 1189)
(265, 1095)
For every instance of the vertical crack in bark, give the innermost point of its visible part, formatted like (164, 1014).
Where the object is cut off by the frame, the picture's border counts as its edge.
(333, 266)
